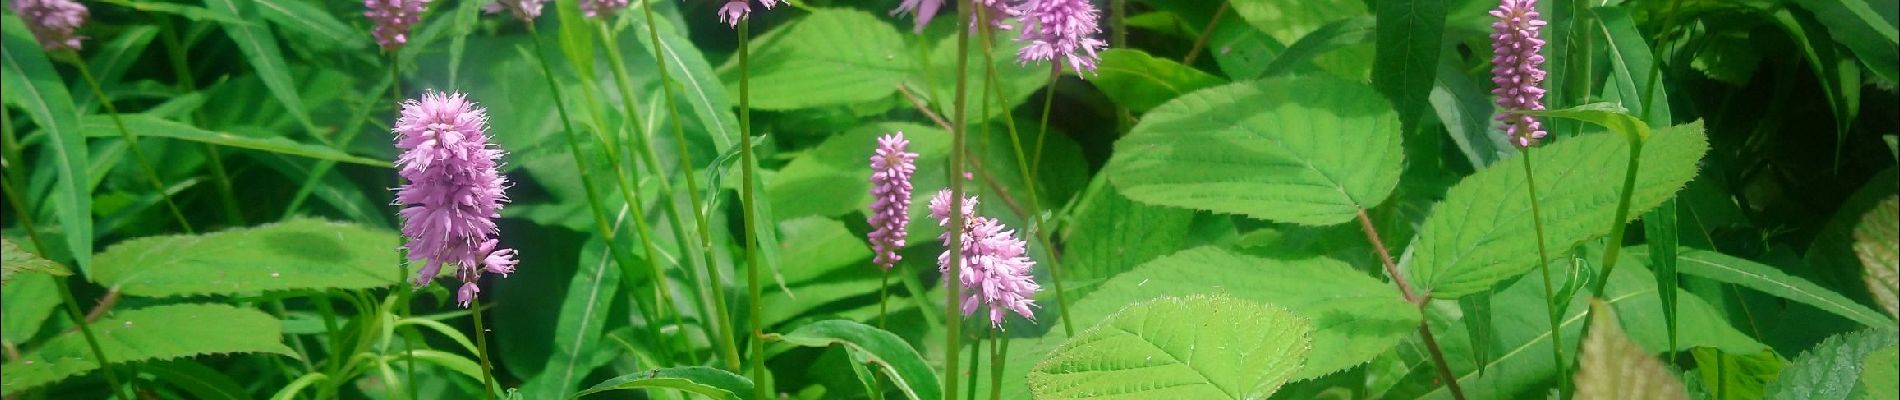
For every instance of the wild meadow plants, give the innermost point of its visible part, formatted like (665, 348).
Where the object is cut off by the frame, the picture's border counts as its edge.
(939, 199)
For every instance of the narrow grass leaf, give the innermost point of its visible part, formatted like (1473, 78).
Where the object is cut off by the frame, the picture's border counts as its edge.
(32, 82)
(101, 126)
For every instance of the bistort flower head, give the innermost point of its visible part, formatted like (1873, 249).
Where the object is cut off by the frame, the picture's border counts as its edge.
(451, 191)
(735, 10)
(891, 168)
(393, 19)
(525, 10)
(995, 263)
(602, 8)
(999, 12)
(1518, 69)
(53, 22)
(1061, 28)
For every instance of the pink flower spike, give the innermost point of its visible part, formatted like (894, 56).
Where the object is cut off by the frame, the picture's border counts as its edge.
(451, 191)
(995, 264)
(891, 170)
(1517, 70)
(735, 10)
(53, 22)
(393, 20)
(1061, 28)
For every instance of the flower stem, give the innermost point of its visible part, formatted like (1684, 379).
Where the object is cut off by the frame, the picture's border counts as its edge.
(403, 289)
(1614, 245)
(748, 163)
(883, 296)
(1022, 164)
(952, 318)
(976, 363)
(999, 352)
(1042, 130)
(481, 344)
(132, 144)
(1543, 264)
(1405, 288)
(65, 290)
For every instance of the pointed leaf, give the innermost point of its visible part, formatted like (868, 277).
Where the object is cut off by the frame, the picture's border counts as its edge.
(152, 333)
(1407, 44)
(296, 254)
(884, 350)
(32, 83)
(1767, 279)
(1613, 367)
(260, 50)
(710, 382)
(1140, 82)
(153, 126)
(1311, 151)
(1199, 347)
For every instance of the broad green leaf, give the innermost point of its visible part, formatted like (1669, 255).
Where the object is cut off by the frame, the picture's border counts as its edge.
(27, 302)
(1140, 82)
(296, 254)
(32, 83)
(828, 58)
(1356, 317)
(1465, 107)
(1736, 376)
(1632, 74)
(1109, 234)
(889, 354)
(311, 20)
(833, 179)
(1770, 280)
(1198, 347)
(1611, 367)
(1482, 233)
(1878, 376)
(1016, 82)
(1832, 369)
(1407, 42)
(16, 260)
(705, 381)
(577, 330)
(151, 333)
(698, 89)
(1877, 242)
(101, 126)
(1311, 151)
(1288, 22)
(1337, 35)
(260, 50)
(1854, 23)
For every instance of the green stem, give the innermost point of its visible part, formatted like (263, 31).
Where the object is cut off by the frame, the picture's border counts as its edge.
(748, 163)
(1615, 242)
(132, 144)
(883, 294)
(999, 352)
(953, 291)
(1042, 130)
(85, 329)
(403, 289)
(1022, 164)
(181, 70)
(976, 364)
(1543, 264)
(481, 344)
(692, 194)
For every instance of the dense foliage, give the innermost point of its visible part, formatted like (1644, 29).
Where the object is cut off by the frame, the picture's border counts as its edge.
(1151, 199)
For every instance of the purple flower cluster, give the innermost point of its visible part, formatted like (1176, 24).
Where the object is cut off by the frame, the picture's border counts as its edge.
(998, 11)
(602, 8)
(1061, 28)
(994, 262)
(451, 192)
(891, 169)
(735, 10)
(53, 22)
(525, 10)
(393, 19)
(1518, 69)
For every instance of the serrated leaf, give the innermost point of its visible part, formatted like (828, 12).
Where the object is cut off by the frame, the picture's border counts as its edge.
(1772, 281)
(831, 57)
(1880, 374)
(1611, 366)
(884, 351)
(1139, 81)
(296, 254)
(101, 126)
(710, 382)
(1311, 151)
(1481, 234)
(32, 83)
(152, 333)
(1831, 369)
(14, 260)
(1877, 242)
(1199, 347)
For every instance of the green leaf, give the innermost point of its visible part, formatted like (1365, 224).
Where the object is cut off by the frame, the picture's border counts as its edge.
(1481, 234)
(882, 349)
(196, 379)
(1199, 347)
(151, 333)
(1407, 46)
(1878, 375)
(1311, 151)
(1465, 109)
(699, 89)
(101, 126)
(1109, 234)
(1336, 35)
(1632, 74)
(1140, 82)
(1831, 369)
(1659, 227)
(14, 259)
(833, 179)
(577, 39)
(27, 303)
(1855, 23)
(1610, 366)
(1877, 242)
(37, 88)
(303, 17)
(831, 57)
(1770, 280)
(1607, 115)
(260, 50)
(581, 320)
(1831, 253)
(1736, 376)
(705, 381)
(110, 61)
(296, 254)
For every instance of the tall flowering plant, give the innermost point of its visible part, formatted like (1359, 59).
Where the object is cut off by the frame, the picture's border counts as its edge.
(451, 192)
